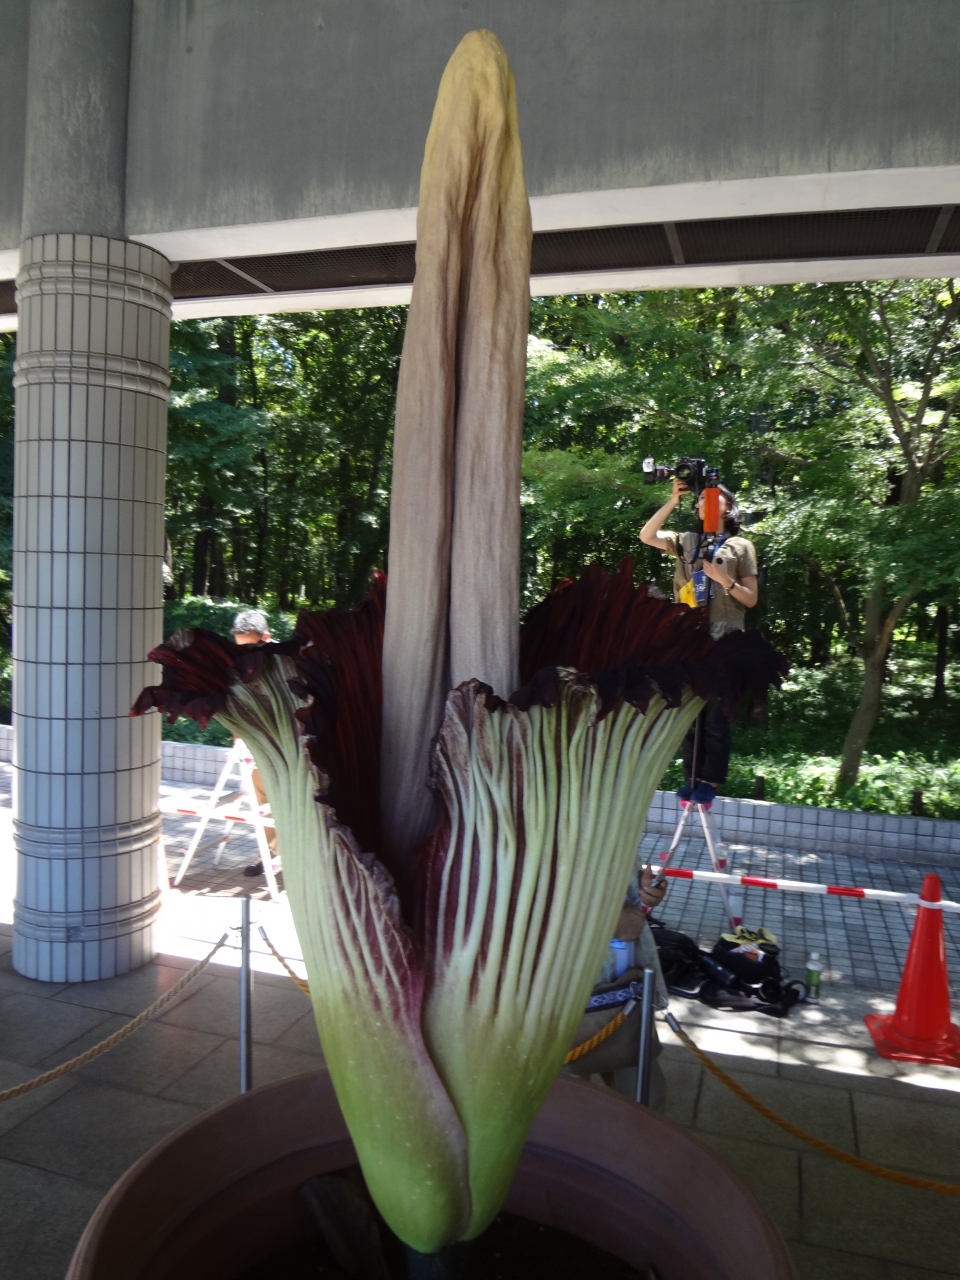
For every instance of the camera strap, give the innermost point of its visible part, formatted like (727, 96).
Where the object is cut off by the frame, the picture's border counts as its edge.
(698, 549)
(699, 590)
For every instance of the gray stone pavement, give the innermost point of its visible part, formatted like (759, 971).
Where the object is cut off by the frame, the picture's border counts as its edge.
(62, 1146)
(236, 852)
(861, 943)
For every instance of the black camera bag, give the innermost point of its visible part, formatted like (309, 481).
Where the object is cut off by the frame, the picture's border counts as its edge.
(681, 960)
(725, 978)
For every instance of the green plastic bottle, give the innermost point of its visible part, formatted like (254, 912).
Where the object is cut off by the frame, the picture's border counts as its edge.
(813, 978)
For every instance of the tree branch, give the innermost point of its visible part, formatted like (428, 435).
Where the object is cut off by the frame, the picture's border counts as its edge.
(803, 463)
(900, 606)
(838, 598)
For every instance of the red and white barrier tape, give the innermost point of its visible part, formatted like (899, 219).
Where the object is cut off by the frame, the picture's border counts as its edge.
(806, 886)
(681, 873)
(218, 815)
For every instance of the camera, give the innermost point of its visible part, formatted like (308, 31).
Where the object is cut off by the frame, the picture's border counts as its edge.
(700, 479)
(693, 472)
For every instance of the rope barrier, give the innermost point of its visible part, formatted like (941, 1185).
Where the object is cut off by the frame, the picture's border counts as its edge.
(581, 1050)
(605, 1031)
(277, 956)
(121, 1034)
(825, 1148)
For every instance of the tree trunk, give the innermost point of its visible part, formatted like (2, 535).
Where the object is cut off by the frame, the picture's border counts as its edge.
(262, 529)
(877, 634)
(943, 630)
(820, 613)
(227, 345)
(217, 574)
(864, 718)
(820, 645)
(201, 560)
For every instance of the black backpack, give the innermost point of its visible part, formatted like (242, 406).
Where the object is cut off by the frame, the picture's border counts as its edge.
(725, 978)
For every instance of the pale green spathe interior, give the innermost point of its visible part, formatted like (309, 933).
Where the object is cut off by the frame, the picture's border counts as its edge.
(546, 808)
(365, 983)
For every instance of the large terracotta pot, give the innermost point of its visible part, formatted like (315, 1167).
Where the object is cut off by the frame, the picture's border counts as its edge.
(220, 1194)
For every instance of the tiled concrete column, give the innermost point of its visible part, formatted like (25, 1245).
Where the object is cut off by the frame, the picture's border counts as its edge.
(92, 386)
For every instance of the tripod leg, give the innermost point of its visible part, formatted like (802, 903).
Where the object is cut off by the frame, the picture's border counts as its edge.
(665, 857)
(221, 846)
(710, 835)
(732, 902)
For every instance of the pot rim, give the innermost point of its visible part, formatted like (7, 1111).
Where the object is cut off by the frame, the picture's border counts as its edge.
(583, 1132)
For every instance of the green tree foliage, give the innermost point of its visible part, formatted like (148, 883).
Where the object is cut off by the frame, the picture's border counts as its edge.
(615, 378)
(280, 430)
(831, 410)
(871, 507)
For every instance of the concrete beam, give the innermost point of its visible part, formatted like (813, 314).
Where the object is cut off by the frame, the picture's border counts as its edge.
(735, 198)
(801, 193)
(245, 113)
(280, 119)
(14, 16)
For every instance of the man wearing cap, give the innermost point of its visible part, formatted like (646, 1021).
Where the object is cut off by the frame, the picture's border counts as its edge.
(250, 626)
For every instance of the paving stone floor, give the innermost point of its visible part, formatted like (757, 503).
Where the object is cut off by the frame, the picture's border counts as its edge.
(206, 875)
(61, 1147)
(860, 943)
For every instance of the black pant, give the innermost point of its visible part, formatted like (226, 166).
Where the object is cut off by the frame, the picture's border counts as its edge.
(713, 749)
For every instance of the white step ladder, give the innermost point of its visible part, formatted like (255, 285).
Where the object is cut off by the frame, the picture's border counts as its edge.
(245, 810)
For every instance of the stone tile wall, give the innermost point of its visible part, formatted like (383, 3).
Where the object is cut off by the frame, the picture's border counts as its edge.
(186, 762)
(865, 835)
(756, 822)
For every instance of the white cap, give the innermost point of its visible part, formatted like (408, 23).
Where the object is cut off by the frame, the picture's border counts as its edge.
(250, 621)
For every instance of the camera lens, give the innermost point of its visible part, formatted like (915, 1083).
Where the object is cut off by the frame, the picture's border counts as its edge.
(683, 471)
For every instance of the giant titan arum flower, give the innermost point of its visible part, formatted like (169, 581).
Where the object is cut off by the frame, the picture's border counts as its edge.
(455, 861)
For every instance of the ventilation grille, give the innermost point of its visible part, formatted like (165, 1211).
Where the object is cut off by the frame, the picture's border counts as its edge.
(865, 233)
(782, 237)
(950, 243)
(600, 249)
(207, 280)
(333, 268)
(293, 272)
(862, 233)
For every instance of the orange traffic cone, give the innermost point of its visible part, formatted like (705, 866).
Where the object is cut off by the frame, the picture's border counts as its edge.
(920, 1029)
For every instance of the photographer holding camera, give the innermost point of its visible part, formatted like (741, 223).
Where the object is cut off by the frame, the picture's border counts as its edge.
(716, 569)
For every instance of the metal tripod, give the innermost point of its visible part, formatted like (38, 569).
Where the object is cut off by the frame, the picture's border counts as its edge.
(732, 900)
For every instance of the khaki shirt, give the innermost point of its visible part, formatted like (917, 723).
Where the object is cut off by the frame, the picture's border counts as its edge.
(739, 558)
